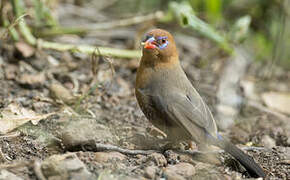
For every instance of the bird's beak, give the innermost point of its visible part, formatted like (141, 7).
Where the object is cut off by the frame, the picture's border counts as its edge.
(150, 43)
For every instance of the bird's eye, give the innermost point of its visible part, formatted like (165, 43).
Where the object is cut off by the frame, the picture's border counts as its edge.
(163, 42)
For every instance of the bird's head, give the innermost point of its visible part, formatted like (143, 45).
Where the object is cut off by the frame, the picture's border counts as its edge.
(159, 45)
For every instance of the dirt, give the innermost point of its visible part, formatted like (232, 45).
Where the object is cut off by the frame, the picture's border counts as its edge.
(109, 114)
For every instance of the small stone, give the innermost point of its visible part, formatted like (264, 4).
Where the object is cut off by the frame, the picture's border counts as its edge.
(159, 159)
(131, 178)
(173, 176)
(150, 172)
(11, 72)
(207, 171)
(172, 157)
(42, 107)
(184, 169)
(65, 166)
(33, 80)
(268, 141)
(186, 158)
(60, 92)
(109, 156)
(72, 135)
(25, 49)
(279, 101)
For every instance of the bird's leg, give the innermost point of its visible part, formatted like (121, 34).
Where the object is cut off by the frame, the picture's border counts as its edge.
(154, 131)
(192, 146)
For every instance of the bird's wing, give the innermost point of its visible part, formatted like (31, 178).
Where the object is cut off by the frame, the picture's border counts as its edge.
(187, 110)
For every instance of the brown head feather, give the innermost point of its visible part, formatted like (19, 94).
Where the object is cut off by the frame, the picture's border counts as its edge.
(167, 55)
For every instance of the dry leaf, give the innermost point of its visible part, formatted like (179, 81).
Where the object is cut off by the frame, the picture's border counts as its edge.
(14, 116)
(279, 101)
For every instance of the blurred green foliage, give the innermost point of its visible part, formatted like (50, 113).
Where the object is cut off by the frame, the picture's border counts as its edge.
(43, 16)
(212, 9)
(267, 31)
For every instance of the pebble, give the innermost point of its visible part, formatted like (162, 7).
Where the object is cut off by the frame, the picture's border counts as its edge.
(173, 176)
(158, 159)
(72, 135)
(65, 167)
(184, 169)
(6, 175)
(150, 172)
(268, 142)
(109, 156)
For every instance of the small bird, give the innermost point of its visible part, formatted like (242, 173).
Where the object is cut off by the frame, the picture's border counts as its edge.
(171, 103)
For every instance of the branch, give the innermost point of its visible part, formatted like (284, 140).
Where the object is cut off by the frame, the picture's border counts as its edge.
(108, 147)
(103, 25)
(19, 9)
(126, 22)
(104, 51)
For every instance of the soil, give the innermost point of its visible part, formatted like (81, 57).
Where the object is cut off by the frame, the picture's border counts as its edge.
(109, 114)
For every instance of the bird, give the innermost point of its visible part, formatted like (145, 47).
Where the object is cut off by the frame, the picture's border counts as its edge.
(171, 103)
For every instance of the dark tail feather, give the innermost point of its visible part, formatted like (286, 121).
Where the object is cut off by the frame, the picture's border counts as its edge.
(247, 161)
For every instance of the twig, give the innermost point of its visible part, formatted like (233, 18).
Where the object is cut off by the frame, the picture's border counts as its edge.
(126, 22)
(253, 148)
(91, 113)
(9, 27)
(286, 162)
(95, 62)
(2, 156)
(105, 51)
(17, 133)
(19, 9)
(108, 147)
(14, 165)
(75, 82)
(103, 25)
(37, 170)
(20, 18)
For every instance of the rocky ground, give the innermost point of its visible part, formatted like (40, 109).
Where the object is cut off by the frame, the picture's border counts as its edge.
(60, 110)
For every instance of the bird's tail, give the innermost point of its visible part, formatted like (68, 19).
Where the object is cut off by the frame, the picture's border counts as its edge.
(247, 161)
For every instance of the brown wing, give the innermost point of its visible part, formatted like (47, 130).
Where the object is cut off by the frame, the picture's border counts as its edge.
(187, 111)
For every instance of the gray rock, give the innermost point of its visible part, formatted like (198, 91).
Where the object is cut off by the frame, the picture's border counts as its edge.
(77, 132)
(150, 172)
(6, 175)
(64, 167)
